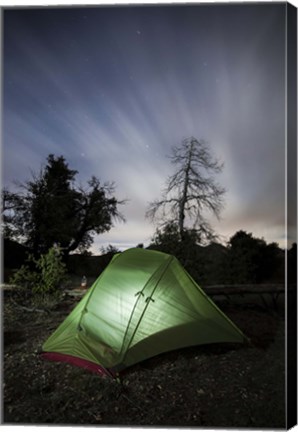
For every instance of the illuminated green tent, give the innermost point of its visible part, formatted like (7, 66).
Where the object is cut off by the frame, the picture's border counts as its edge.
(143, 304)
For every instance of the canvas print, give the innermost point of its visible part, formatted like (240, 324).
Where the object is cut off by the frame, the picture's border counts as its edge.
(149, 243)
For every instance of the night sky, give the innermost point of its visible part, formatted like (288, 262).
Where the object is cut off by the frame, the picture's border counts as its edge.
(113, 88)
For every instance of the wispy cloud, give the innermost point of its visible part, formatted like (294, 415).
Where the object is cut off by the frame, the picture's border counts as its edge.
(112, 90)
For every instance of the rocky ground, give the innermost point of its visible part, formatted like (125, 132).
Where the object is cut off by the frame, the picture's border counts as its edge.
(221, 386)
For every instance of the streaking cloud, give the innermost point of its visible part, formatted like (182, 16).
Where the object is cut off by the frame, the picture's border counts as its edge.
(112, 89)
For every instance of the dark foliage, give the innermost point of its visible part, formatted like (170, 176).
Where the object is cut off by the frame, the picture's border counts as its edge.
(186, 251)
(245, 259)
(14, 254)
(251, 260)
(50, 209)
(91, 266)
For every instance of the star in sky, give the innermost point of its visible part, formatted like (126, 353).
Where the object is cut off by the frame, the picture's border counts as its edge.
(121, 85)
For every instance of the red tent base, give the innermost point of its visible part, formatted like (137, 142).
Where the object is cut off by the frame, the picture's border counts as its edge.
(77, 361)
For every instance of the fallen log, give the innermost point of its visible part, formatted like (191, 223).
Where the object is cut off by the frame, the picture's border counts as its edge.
(261, 290)
(212, 290)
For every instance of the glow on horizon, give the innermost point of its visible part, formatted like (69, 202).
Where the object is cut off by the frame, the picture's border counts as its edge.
(115, 107)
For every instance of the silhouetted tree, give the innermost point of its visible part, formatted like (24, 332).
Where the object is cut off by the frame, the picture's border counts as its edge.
(250, 259)
(187, 251)
(190, 191)
(51, 209)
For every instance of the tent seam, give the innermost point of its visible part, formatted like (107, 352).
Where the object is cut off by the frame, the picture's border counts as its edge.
(135, 305)
(170, 259)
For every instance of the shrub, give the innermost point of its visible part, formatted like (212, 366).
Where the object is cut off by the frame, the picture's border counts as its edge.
(43, 276)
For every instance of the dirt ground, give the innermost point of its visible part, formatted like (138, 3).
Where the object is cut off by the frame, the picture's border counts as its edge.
(223, 385)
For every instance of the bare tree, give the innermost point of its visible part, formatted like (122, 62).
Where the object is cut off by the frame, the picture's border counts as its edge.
(191, 190)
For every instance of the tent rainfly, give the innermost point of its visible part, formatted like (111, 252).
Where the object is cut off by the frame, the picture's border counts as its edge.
(143, 304)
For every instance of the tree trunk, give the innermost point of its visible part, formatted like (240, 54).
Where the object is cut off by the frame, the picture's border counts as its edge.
(184, 193)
